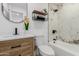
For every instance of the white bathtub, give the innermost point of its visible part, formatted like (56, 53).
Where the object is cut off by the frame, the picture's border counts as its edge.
(65, 49)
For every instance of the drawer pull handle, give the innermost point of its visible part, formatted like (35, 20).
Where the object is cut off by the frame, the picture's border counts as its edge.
(16, 46)
(19, 55)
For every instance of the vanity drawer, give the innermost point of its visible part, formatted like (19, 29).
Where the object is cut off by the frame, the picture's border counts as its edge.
(17, 47)
(20, 41)
(10, 43)
(17, 51)
(15, 41)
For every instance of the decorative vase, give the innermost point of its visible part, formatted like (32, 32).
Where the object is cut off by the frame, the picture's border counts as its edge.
(26, 26)
(26, 23)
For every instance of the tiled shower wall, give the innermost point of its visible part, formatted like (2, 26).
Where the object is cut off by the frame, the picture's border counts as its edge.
(65, 21)
(52, 20)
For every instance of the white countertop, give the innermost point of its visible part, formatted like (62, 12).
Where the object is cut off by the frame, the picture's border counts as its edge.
(27, 35)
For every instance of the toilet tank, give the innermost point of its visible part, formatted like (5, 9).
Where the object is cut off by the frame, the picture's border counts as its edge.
(41, 40)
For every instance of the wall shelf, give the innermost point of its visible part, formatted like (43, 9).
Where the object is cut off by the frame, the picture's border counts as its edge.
(39, 12)
(39, 16)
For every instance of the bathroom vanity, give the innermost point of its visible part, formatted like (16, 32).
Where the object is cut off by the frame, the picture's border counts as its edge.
(17, 47)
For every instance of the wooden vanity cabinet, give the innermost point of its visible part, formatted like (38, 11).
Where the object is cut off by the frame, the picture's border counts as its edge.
(17, 47)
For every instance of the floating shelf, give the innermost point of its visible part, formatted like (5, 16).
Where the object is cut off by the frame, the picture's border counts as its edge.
(39, 16)
(39, 12)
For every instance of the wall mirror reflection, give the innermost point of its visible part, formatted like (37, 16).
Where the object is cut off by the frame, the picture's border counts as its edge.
(14, 12)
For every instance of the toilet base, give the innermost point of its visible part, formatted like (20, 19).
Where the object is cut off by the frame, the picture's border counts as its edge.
(45, 50)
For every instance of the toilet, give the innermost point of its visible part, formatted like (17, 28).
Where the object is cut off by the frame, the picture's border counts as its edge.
(43, 47)
(46, 50)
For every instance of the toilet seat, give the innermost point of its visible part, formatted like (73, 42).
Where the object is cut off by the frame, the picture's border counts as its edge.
(46, 50)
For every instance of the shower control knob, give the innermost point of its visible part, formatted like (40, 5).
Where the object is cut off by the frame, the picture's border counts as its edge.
(54, 40)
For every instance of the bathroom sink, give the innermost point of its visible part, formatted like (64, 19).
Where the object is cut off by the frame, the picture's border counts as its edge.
(7, 36)
(27, 35)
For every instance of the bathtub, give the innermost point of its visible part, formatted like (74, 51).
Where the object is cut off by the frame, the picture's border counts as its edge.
(65, 49)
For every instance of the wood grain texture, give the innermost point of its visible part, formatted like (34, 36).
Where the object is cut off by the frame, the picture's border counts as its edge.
(18, 47)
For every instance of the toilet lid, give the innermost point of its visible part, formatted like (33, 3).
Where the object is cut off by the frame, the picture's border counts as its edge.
(46, 49)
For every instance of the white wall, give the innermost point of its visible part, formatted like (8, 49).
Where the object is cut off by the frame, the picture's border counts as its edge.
(38, 25)
(7, 28)
(67, 22)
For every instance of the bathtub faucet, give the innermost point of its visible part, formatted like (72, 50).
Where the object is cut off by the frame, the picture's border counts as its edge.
(54, 40)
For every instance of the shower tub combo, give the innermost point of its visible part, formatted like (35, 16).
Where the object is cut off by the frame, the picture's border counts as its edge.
(62, 48)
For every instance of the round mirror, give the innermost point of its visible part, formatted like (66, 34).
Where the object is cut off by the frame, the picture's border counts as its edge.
(14, 12)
